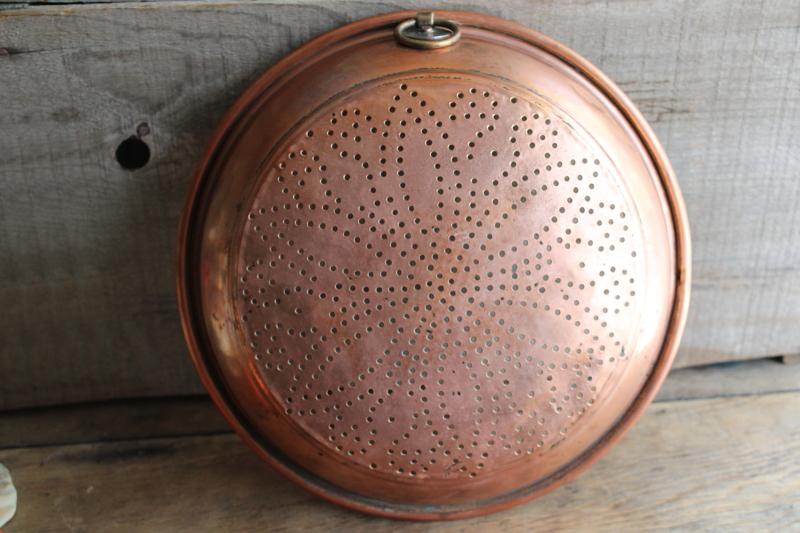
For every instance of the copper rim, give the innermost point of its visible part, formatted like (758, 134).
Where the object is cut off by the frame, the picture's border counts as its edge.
(207, 369)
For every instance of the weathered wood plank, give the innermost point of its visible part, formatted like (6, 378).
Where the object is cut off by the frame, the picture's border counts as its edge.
(729, 464)
(730, 379)
(110, 421)
(86, 248)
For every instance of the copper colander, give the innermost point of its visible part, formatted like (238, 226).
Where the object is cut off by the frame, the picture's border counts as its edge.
(433, 272)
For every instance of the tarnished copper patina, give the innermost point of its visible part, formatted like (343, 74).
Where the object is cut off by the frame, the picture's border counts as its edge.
(433, 282)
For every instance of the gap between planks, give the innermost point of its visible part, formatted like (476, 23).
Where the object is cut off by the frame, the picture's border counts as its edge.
(195, 415)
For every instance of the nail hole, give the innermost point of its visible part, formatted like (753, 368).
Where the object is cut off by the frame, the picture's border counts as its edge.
(132, 153)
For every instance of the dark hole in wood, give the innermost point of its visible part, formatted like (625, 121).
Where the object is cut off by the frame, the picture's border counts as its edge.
(132, 153)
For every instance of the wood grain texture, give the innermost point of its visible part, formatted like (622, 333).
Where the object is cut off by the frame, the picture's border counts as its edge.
(730, 464)
(111, 421)
(736, 378)
(87, 248)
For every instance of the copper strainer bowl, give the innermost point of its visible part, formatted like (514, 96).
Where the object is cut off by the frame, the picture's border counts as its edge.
(433, 272)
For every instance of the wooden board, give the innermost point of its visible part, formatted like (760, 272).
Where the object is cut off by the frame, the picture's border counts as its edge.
(111, 421)
(87, 248)
(728, 464)
(730, 379)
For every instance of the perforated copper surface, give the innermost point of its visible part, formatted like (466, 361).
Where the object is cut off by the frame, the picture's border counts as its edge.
(433, 291)
(437, 276)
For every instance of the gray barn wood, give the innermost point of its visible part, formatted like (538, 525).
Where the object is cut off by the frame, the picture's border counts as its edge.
(87, 248)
